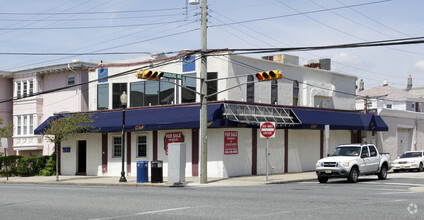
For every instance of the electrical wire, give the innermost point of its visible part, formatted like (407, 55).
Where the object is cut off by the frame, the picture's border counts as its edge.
(91, 12)
(303, 13)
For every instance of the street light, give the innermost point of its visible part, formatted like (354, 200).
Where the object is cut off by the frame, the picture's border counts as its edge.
(124, 100)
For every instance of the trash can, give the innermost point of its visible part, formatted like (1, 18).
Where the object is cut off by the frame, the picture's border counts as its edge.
(156, 171)
(142, 171)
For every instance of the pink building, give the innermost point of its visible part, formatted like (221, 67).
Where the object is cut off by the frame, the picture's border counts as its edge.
(30, 109)
(6, 91)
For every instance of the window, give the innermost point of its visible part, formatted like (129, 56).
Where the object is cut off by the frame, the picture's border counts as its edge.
(19, 127)
(250, 89)
(31, 124)
(18, 89)
(24, 125)
(295, 93)
(274, 92)
(166, 93)
(31, 87)
(117, 89)
(141, 146)
(365, 152)
(389, 106)
(70, 80)
(102, 96)
(24, 88)
(187, 95)
(151, 93)
(373, 151)
(117, 147)
(137, 94)
(212, 86)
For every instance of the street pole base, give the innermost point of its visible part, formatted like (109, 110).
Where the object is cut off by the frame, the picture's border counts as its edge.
(123, 179)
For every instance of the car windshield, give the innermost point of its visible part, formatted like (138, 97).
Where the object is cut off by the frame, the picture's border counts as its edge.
(411, 154)
(346, 151)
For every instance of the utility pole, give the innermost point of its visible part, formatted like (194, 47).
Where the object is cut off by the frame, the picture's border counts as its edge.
(203, 101)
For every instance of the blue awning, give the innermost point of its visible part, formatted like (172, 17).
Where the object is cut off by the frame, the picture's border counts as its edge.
(45, 125)
(317, 119)
(188, 116)
(157, 118)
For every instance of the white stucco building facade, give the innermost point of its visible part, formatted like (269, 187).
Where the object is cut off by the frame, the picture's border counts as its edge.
(294, 149)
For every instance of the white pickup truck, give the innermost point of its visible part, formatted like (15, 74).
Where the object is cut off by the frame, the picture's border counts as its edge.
(352, 160)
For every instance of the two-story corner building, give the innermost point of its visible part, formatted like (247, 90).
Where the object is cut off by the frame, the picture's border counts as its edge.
(161, 111)
(36, 100)
(401, 110)
(5, 105)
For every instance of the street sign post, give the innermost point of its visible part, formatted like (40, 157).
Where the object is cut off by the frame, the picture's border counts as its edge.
(267, 130)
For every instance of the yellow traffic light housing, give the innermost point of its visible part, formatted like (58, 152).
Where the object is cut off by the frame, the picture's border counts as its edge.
(148, 74)
(269, 75)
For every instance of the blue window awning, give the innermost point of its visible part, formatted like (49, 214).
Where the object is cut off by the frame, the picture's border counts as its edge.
(317, 119)
(158, 118)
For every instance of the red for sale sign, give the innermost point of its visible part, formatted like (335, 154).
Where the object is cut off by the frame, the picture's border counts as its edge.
(175, 137)
(230, 142)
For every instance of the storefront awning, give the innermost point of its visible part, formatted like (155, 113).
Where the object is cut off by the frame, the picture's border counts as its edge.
(317, 119)
(160, 118)
(228, 115)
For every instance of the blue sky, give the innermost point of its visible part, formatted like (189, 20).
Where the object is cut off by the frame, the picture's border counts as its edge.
(166, 25)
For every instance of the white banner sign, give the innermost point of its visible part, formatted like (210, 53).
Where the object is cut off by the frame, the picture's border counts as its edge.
(4, 143)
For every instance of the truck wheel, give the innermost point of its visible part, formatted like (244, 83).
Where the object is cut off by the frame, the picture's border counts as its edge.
(353, 175)
(421, 168)
(322, 179)
(383, 173)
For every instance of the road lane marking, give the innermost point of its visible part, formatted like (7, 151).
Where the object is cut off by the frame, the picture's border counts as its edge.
(145, 213)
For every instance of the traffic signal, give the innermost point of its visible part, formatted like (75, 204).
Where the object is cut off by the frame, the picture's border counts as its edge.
(269, 75)
(148, 74)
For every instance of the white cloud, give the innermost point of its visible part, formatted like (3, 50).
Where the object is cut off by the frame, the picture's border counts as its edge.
(346, 58)
(419, 66)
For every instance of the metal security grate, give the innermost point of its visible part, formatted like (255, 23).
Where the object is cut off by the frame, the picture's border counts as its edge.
(255, 114)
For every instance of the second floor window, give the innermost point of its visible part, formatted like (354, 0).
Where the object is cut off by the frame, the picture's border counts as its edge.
(250, 89)
(274, 92)
(70, 80)
(24, 88)
(295, 93)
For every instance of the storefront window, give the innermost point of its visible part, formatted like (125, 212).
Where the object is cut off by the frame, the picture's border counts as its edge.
(141, 146)
(117, 147)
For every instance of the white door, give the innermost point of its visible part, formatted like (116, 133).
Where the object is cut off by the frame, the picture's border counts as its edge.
(404, 140)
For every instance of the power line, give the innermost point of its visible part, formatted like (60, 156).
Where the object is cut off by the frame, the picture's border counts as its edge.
(91, 12)
(89, 27)
(303, 13)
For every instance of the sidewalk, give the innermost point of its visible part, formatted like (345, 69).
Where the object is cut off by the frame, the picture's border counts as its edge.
(190, 181)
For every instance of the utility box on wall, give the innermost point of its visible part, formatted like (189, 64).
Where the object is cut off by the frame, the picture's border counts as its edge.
(176, 162)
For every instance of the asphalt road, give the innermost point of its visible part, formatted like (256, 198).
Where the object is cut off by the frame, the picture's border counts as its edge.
(370, 198)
